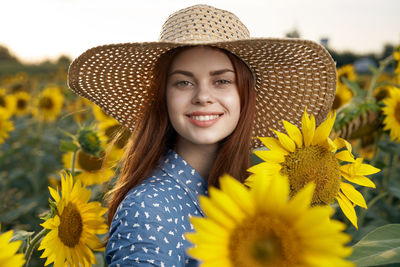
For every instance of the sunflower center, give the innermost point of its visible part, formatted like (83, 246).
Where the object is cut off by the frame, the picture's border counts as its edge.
(382, 93)
(337, 102)
(71, 226)
(46, 103)
(89, 163)
(2, 101)
(343, 75)
(21, 104)
(264, 240)
(112, 131)
(313, 164)
(397, 112)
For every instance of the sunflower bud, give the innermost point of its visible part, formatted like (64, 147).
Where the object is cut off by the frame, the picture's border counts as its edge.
(89, 141)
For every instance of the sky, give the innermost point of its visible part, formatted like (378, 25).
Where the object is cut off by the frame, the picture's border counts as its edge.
(35, 30)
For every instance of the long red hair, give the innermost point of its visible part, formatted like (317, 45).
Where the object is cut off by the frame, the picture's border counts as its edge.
(154, 135)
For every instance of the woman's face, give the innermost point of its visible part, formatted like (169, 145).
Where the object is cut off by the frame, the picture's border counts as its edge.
(202, 97)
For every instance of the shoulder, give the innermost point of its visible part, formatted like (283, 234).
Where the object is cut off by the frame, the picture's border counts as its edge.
(145, 226)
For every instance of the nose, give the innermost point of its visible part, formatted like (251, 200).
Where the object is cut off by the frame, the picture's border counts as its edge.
(203, 95)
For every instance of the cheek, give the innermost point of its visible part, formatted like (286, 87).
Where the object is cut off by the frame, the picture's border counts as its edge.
(176, 102)
(232, 103)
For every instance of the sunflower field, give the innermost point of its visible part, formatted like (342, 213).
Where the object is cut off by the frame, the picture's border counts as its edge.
(317, 195)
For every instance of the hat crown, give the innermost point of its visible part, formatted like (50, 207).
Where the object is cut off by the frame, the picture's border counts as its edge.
(203, 24)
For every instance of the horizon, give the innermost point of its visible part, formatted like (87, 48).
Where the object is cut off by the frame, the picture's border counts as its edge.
(53, 28)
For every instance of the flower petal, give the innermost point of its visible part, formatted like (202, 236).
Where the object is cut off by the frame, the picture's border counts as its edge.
(285, 141)
(270, 156)
(353, 195)
(360, 180)
(294, 133)
(340, 142)
(226, 204)
(347, 209)
(345, 155)
(273, 144)
(308, 128)
(324, 129)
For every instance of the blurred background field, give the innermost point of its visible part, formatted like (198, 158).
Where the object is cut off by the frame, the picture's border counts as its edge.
(44, 127)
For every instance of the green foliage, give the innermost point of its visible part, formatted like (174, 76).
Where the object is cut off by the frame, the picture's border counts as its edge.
(381, 246)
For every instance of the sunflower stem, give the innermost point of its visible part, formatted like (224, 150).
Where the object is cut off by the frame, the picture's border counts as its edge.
(369, 205)
(387, 172)
(376, 148)
(33, 244)
(382, 65)
(38, 158)
(73, 164)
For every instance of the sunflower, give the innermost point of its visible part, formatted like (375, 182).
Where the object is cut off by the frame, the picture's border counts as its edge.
(92, 169)
(74, 229)
(346, 71)
(392, 114)
(80, 109)
(311, 156)
(343, 95)
(381, 92)
(7, 103)
(22, 100)
(261, 227)
(49, 104)
(8, 251)
(396, 55)
(6, 126)
(112, 131)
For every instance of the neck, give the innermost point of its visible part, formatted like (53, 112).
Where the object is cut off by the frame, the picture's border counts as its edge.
(200, 157)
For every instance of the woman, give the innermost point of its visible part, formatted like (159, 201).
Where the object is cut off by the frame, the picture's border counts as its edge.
(194, 101)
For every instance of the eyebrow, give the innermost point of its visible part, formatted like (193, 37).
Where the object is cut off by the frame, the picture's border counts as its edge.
(188, 73)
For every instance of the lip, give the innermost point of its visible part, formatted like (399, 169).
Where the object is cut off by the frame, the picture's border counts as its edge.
(204, 113)
(203, 124)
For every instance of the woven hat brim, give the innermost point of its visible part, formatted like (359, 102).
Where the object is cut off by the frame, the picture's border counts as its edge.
(290, 74)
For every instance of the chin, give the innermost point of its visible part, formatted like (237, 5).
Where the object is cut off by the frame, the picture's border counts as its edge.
(205, 141)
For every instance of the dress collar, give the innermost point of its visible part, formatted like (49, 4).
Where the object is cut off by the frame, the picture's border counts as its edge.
(185, 175)
(174, 164)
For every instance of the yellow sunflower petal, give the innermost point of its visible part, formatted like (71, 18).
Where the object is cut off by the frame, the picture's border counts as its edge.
(285, 141)
(270, 156)
(205, 225)
(225, 203)
(308, 128)
(353, 195)
(273, 144)
(272, 194)
(54, 194)
(324, 129)
(270, 168)
(340, 142)
(366, 169)
(345, 155)
(300, 202)
(347, 209)
(215, 213)
(294, 133)
(237, 192)
(360, 180)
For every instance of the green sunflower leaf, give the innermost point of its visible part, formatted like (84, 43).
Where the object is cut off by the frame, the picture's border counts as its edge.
(381, 246)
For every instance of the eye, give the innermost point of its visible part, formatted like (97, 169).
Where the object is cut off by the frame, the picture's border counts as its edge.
(182, 84)
(223, 82)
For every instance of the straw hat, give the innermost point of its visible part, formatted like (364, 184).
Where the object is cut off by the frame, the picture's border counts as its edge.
(290, 74)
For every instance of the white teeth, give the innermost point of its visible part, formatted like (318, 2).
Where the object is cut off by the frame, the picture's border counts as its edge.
(204, 118)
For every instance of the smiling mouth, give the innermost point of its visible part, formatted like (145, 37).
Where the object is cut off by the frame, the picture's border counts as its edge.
(204, 117)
